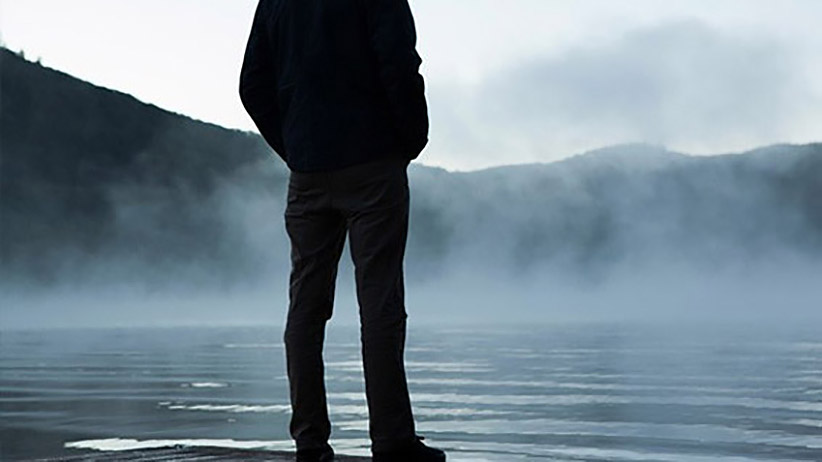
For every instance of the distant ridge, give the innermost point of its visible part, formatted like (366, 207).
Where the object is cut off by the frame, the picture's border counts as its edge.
(641, 154)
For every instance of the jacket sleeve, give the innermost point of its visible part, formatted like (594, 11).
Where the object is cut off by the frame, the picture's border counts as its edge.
(393, 39)
(258, 82)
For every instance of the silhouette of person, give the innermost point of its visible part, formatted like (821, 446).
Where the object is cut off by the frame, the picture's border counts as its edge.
(334, 88)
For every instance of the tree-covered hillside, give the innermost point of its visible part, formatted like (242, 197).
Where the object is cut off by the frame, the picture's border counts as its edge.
(90, 173)
(99, 186)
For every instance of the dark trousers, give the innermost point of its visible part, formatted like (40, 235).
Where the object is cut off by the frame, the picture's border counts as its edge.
(369, 202)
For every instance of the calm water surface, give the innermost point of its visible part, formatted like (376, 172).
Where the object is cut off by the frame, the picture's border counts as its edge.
(554, 393)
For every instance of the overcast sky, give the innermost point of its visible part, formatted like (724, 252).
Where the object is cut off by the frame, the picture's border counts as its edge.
(509, 81)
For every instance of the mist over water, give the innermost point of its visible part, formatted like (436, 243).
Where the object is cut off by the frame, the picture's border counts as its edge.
(629, 232)
(135, 216)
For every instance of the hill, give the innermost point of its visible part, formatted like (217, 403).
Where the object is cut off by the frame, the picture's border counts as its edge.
(90, 173)
(97, 186)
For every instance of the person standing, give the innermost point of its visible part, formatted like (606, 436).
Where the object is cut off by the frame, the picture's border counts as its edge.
(334, 88)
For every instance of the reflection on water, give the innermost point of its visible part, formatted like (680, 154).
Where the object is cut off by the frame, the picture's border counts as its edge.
(570, 392)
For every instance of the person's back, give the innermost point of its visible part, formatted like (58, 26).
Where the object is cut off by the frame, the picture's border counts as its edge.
(335, 89)
(335, 83)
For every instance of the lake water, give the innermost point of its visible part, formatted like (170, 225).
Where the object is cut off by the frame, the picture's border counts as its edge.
(582, 392)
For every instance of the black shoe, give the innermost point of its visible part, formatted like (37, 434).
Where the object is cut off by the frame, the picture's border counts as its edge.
(414, 452)
(325, 454)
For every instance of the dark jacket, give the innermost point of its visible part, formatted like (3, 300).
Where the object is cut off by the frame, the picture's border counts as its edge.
(331, 84)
